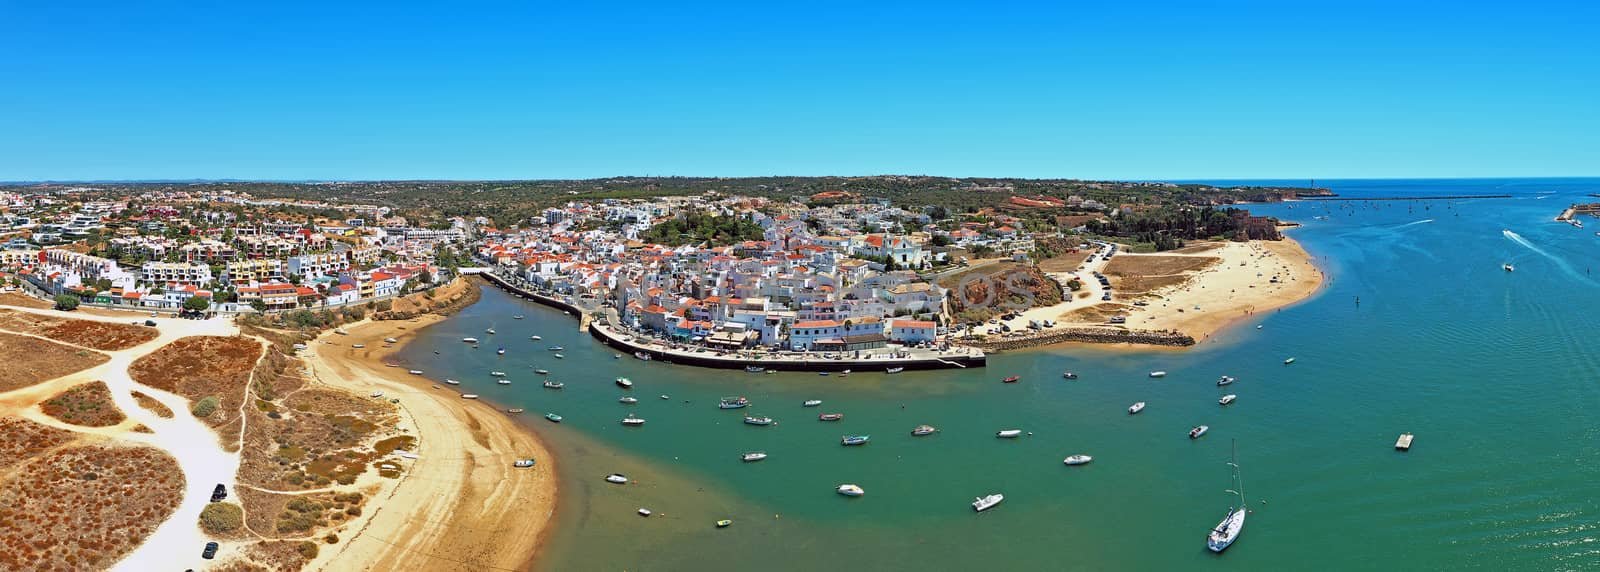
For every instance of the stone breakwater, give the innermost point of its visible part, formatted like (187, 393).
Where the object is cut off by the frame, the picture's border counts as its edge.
(1086, 335)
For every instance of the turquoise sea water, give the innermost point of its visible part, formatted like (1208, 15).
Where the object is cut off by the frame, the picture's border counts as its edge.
(1496, 373)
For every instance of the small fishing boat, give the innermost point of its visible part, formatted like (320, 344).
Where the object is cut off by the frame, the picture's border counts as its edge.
(845, 373)
(1012, 379)
(470, 340)
(515, 410)
(554, 384)
(624, 383)
(754, 369)
(1226, 399)
(724, 523)
(1068, 375)
(830, 417)
(987, 502)
(416, 372)
(541, 371)
(503, 381)
(753, 456)
(642, 356)
(923, 430)
(850, 490)
(497, 373)
(501, 351)
(849, 440)
(1224, 380)
(536, 338)
(617, 479)
(451, 382)
(555, 348)
(523, 463)
(632, 421)
(553, 417)
(1226, 532)
(894, 370)
(733, 403)
(469, 396)
(1008, 433)
(1288, 361)
(1135, 408)
(1078, 460)
(1199, 430)
(358, 346)
(811, 403)
(1158, 374)
(748, 420)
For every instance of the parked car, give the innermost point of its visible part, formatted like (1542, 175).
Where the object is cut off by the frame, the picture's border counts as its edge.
(219, 493)
(210, 551)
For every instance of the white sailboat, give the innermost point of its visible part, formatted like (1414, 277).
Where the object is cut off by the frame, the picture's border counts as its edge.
(1226, 532)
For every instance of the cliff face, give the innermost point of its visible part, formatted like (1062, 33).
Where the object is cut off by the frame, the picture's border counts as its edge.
(978, 297)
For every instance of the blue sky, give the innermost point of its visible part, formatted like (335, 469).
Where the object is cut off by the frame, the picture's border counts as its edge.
(390, 90)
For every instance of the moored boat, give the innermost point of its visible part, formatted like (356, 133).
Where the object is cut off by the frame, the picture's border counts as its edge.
(541, 371)
(627, 400)
(515, 410)
(724, 523)
(1135, 408)
(536, 338)
(1158, 374)
(1226, 399)
(469, 396)
(451, 382)
(811, 403)
(1224, 380)
(1008, 433)
(894, 370)
(754, 369)
(1197, 431)
(501, 351)
(753, 456)
(497, 373)
(553, 417)
(1226, 532)
(489, 331)
(517, 317)
(830, 416)
(923, 430)
(632, 421)
(554, 384)
(849, 440)
(642, 356)
(984, 503)
(1012, 379)
(390, 340)
(750, 420)
(555, 348)
(416, 372)
(850, 490)
(559, 356)
(503, 381)
(1078, 460)
(1288, 361)
(1069, 375)
(617, 479)
(733, 403)
(470, 340)
(523, 463)
(624, 383)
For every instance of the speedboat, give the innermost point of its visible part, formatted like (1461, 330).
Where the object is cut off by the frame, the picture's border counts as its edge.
(830, 417)
(497, 373)
(536, 338)
(894, 370)
(733, 403)
(1135, 408)
(1069, 375)
(849, 440)
(554, 384)
(1158, 374)
(1012, 379)
(628, 400)
(1288, 361)
(987, 502)
(811, 403)
(753, 456)
(503, 381)
(1224, 380)
(923, 430)
(501, 351)
(1199, 430)
(451, 382)
(1078, 460)
(851, 490)
(625, 383)
(754, 369)
(748, 420)
(541, 371)
(632, 421)
(523, 463)
(1226, 399)
(1008, 433)
(470, 340)
(553, 417)
(616, 478)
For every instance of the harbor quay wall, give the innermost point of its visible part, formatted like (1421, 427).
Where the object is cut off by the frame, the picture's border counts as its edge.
(1087, 335)
(540, 298)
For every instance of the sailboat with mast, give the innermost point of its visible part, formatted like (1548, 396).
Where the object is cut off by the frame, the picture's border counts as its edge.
(1226, 532)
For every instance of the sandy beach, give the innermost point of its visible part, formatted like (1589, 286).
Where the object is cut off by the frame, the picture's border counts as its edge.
(460, 505)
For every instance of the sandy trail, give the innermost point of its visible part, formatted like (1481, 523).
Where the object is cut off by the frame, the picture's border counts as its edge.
(460, 505)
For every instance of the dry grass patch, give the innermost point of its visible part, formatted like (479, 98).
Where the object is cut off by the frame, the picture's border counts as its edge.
(1143, 284)
(1197, 248)
(87, 333)
(283, 555)
(204, 367)
(21, 439)
(30, 361)
(24, 301)
(155, 406)
(85, 507)
(1156, 264)
(1096, 314)
(87, 404)
(1065, 263)
(319, 437)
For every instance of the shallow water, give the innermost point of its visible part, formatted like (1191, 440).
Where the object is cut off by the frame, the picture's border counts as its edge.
(1495, 372)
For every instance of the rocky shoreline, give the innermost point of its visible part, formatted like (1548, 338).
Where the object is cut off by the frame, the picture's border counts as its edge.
(1087, 335)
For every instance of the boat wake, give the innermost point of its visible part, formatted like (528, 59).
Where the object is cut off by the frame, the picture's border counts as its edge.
(1423, 221)
(1565, 267)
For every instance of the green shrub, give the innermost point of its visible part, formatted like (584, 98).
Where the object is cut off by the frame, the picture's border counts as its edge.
(308, 550)
(221, 517)
(205, 407)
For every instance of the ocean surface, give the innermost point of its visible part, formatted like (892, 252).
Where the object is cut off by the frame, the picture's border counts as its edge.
(1419, 330)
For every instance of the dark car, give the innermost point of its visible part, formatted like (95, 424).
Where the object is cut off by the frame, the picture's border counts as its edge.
(219, 493)
(210, 551)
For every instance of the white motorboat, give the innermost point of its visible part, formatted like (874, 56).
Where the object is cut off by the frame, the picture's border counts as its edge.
(1158, 374)
(617, 478)
(489, 331)
(1078, 460)
(625, 383)
(1197, 431)
(536, 338)
(517, 317)
(469, 396)
(627, 400)
(1288, 361)
(503, 381)
(1226, 399)
(559, 356)
(922, 430)
(501, 351)
(541, 371)
(1508, 267)
(632, 421)
(1068, 375)
(894, 370)
(358, 346)
(753, 456)
(554, 384)
(1226, 532)
(451, 382)
(497, 373)
(470, 340)
(812, 403)
(390, 340)
(987, 502)
(1135, 408)
(416, 372)
(523, 463)
(851, 490)
(1224, 380)
(644, 512)
(1008, 433)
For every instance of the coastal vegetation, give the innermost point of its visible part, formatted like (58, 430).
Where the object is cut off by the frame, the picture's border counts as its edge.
(697, 227)
(84, 506)
(87, 404)
(31, 360)
(88, 333)
(1168, 227)
(200, 367)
